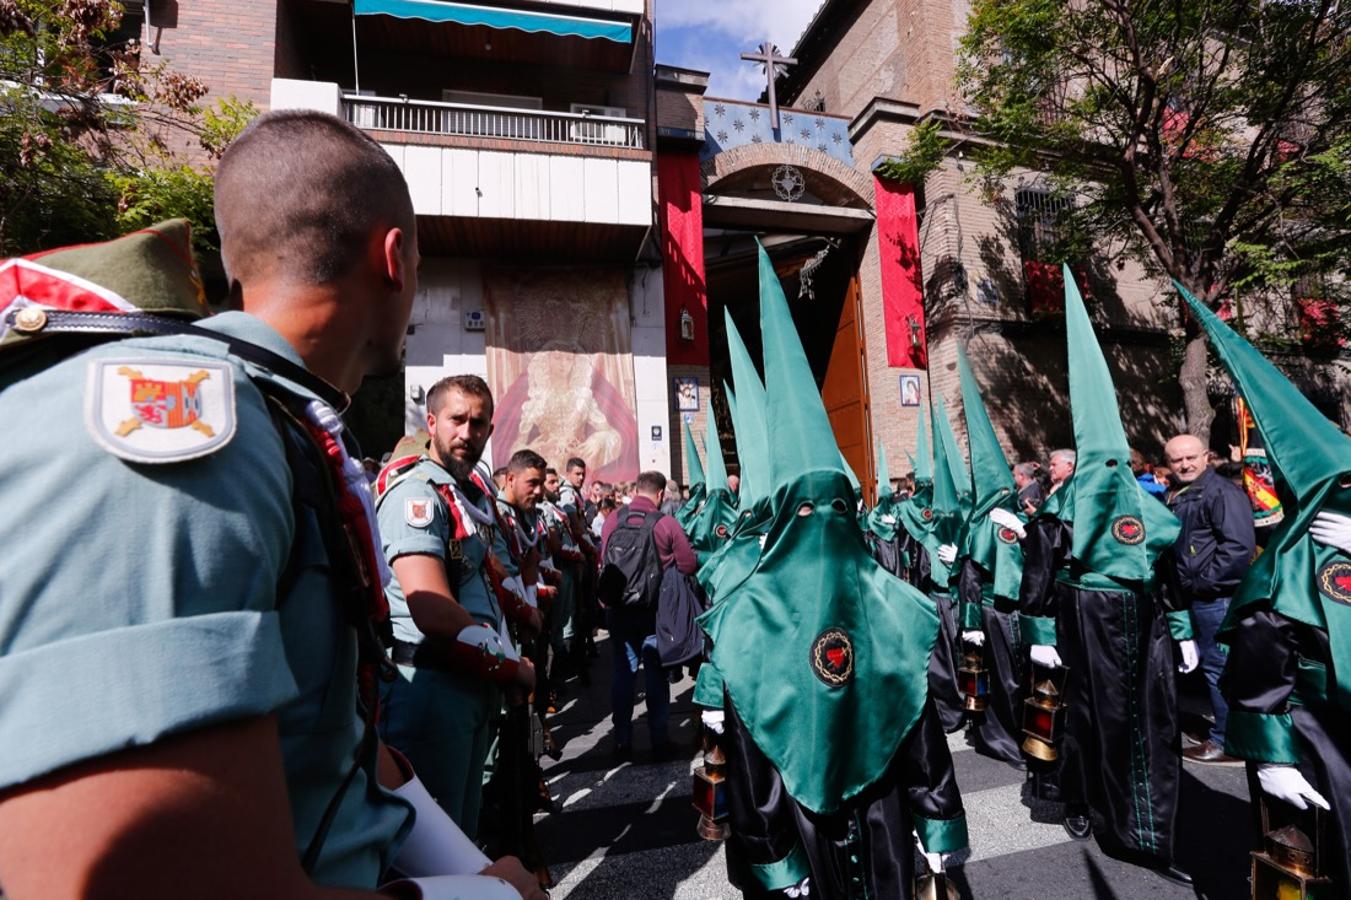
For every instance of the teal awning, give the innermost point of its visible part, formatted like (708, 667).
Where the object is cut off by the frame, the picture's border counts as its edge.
(496, 17)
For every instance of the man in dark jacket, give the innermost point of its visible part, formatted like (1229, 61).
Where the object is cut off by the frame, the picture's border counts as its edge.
(1212, 555)
(634, 629)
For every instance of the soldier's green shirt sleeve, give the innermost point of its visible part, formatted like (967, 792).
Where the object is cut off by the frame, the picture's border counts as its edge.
(503, 551)
(136, 600)
(414, 520)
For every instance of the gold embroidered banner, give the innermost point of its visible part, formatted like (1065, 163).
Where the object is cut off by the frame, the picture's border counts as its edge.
(560, 365)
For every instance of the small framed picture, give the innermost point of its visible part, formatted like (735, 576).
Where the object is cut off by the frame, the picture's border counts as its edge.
(909, 390)
(687, 393)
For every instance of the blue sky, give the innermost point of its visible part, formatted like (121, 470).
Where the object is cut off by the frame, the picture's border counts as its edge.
(711, 35)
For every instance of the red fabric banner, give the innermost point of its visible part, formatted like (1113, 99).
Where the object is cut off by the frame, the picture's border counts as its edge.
(902, 280)
(682, 248)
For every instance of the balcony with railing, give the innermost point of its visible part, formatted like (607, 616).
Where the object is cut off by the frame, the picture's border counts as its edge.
(461, 120)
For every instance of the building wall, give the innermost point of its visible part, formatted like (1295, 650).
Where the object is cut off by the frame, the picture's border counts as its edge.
(232, 45)
(439, 346)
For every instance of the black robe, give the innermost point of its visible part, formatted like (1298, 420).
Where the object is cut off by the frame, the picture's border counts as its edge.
(864, 850)
(998, 732)
(947, 654)
(1120, 755)
(1266, 651)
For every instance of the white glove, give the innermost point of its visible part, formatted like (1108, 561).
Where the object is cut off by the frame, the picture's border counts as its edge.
(1190, 658)
(935, 860)
(436, 845)
(1005, 519)
(713, 719)
(462, 887)
(1044, 655)
(974, 637)
(1332, 529)
(947, 554)
(1287, 783)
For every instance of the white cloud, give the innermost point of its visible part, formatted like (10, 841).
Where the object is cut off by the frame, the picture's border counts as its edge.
(724, 30)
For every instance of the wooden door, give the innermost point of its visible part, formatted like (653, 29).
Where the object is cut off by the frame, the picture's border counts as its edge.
(845, 391)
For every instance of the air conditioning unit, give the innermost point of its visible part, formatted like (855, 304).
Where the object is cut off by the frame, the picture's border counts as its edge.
(598, 132)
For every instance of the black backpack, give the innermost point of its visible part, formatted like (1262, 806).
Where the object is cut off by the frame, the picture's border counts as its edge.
(631, 574)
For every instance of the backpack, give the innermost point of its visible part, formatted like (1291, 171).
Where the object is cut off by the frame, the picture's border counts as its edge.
(631, 574)
(679, 638)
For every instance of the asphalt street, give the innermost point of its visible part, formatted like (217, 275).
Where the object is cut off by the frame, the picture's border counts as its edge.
(627, 832)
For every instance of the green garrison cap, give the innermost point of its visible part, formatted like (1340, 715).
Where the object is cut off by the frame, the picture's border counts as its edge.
(1119, 531)
(151, 270)
(818, 639)
(1311, 459)
(994, 549)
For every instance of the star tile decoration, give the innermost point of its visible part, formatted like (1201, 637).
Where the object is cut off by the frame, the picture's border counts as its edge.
(735, 124)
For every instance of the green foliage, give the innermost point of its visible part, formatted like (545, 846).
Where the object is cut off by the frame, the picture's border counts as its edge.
(87, 128)
(1213, 139)
(923, 155)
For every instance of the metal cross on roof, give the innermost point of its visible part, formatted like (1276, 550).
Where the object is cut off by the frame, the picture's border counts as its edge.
(774, 66)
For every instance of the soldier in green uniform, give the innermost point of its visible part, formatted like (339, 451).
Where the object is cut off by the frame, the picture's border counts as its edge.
(449, 644)
(181, 711)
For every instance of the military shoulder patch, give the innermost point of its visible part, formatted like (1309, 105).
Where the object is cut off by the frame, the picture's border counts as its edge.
(1334, 582)
(417, 511)
(160, 410)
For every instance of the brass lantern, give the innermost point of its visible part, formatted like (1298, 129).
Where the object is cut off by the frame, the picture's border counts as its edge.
(710, 791)
(1289, 865)
(936, 886)
(973, 680)
(1044, 717)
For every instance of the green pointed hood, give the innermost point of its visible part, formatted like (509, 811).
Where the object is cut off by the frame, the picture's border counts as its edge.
(1119, 531)
(957, 465)
(698, 486)
(946, 503)
(882, 519)
(851, 643)
(709, 527)
(916, 512)
(1311, 461)
(751, 437)
(692, 463)
(993, 548)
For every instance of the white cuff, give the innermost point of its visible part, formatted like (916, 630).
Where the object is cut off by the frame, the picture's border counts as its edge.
(436, 845)
(532, 596)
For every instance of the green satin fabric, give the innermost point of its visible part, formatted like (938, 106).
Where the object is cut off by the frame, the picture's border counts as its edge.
(687, 513)
(814, 573)
(711, 527)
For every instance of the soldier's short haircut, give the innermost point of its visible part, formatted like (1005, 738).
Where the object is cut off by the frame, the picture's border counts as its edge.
(576, 462)
(551, 471)
(301, 191)
(650, 483)
(525, 459)
(470, 385)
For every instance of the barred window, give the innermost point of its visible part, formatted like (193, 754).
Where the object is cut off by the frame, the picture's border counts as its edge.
(1040, 223)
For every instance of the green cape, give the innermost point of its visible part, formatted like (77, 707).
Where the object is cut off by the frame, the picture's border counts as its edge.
(698, 486)
(883, 519)
(824, 654)
(949, 518)
(916, 511)
(1119, 530)
(711, 524)
(995, 549)
(1310, 457)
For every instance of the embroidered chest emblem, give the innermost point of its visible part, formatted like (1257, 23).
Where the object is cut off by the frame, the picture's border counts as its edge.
(832, 657)
(721, 531)
(1334, 582)
(146, 410)
(926, 513)
(1128, 530)
(1007, 535)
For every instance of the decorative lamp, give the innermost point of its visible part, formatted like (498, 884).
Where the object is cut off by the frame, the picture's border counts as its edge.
(686, 325)
(710, 791)
(1044, 717)
(1289, 865)
(973, 679)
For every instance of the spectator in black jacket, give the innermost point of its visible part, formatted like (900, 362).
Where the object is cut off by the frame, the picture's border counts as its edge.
(1213, 552)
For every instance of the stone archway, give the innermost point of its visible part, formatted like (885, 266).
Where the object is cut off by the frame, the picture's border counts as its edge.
(834, 180)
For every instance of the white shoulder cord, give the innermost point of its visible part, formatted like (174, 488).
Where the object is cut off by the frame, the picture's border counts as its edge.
(471, 510)
(323, 416)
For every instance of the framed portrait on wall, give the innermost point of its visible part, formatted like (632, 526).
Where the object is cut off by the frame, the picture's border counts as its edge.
(909, 390)
(687, 393)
